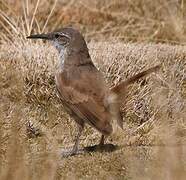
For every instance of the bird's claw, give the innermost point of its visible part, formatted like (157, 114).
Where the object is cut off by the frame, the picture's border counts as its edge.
(73, 152)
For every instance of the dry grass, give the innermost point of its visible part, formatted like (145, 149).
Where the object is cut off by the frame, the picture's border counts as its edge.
(153, 142)
(127, 20)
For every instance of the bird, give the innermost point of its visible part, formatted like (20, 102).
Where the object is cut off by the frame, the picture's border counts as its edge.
(82, 88)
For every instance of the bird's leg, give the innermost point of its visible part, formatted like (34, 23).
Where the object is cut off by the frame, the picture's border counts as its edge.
(105, 147)
(101, 143)
(101, 146)
(75, 147)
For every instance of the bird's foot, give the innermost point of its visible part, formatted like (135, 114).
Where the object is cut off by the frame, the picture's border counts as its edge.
(95, 148)
(71, 152)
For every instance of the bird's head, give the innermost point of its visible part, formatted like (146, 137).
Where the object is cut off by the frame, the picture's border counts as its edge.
(64, 39)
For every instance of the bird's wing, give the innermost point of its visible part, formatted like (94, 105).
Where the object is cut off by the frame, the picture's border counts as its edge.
(83, 90)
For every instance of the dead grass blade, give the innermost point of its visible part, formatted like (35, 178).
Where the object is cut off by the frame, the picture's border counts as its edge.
(33, 16)
(50, 14)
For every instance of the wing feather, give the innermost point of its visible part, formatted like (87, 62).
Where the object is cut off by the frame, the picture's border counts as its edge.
(85, 96)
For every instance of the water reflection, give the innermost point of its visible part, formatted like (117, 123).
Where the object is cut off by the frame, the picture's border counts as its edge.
(156, 162)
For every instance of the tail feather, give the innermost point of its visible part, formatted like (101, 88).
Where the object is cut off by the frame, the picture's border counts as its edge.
(115, 98)
(120, 87)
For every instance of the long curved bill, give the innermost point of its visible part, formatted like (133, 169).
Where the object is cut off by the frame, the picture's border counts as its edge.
(40, 36)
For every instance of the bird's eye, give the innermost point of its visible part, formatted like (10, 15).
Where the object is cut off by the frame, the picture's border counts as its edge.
(57, 36)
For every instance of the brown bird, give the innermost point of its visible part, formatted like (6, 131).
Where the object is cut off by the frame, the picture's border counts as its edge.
(82, 88)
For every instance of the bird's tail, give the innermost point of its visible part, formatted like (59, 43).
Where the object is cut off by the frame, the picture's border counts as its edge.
(118, 88)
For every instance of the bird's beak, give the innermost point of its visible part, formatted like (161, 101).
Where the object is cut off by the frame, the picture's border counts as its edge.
(40, 36)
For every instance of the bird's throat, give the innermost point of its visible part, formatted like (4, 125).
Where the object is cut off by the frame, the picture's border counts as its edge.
(63, 56)
(69, 58)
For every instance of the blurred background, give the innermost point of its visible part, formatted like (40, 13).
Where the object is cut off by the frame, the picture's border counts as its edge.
(127, 20)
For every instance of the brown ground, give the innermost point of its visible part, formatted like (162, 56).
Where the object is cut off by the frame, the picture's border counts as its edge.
(124, 35)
